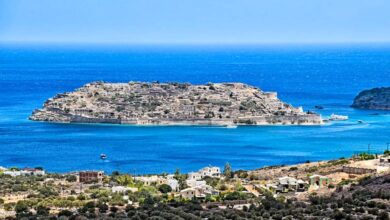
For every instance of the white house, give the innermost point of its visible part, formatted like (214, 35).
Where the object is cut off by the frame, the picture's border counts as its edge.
(206, 171)
(195, 183)
(151, 180)
(210, 171)
(194, 176)
(25, 172)
(188, 193)
(123, 189)
(198, 192)
(173, 183)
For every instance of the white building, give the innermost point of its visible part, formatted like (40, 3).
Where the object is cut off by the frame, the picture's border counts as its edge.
(188, 193)
(198, 192)
(206, 171)
(173, 183)
(151, 180)
(210, 171)
(25, 172)
(195, 183)
(194, 176)
(123, 189)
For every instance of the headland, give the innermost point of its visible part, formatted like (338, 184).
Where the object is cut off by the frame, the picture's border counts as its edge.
(376, 99)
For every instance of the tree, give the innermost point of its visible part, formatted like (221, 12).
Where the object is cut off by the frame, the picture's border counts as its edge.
(65, 213)
(71, 178)
(227, 171)
(123, 180)
(165, 188)
(383, 216)
(43, 210)
(177, 173)
(21, 207)
(102, 207)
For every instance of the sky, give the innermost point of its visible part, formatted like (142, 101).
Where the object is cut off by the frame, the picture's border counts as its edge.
(195, 21)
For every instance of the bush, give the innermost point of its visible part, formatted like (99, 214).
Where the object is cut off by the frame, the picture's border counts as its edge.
(165, 188)
(71, 178)
(383, 215)
(102, 207)
(42, 210)
(21, 206)
(65, 213)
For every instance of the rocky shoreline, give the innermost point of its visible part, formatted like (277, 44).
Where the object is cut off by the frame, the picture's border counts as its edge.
(375, 99)
(143, 103)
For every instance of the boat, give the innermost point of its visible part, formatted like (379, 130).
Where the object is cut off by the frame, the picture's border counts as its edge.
(103, 156)
(360, 121)
(318, 107)
(231, 126)
(334, 117)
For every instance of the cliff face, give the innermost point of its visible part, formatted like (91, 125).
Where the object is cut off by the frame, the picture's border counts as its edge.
(171, 103)
(377, 98)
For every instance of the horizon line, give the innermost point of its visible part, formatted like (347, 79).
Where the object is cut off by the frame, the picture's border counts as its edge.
(70, 43)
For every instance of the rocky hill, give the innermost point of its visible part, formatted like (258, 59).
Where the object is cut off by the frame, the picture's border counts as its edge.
(377, 98)
(171, 103)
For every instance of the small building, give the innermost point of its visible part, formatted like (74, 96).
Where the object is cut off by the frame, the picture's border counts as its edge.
(301, 186)
(271, 95)
(195, 183)
(91, 176)
(25, 172)
(204, 172)
(194, 176)
(210, 171)
(286, 184)
(188, 193)
(33, 171)
(123, 189)
(151, 180)
(173, 183)
(319, 181)
(198, 192)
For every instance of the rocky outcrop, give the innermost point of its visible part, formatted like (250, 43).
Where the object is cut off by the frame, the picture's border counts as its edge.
(377, 98)
(171, 103)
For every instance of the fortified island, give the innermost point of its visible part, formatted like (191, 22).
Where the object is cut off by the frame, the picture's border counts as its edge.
(142, 103)
(376, 98)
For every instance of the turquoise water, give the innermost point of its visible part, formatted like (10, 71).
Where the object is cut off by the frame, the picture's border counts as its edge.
(327, 75)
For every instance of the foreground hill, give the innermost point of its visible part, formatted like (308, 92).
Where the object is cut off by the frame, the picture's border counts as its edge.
(171, 103)
(377, 98)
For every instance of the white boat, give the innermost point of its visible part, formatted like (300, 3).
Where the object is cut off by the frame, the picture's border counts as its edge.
(334, 117)
(231, 126)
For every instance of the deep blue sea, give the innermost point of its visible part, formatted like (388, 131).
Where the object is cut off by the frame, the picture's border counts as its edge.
(303, 75)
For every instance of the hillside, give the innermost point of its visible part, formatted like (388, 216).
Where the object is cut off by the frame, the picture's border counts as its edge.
(377, 98)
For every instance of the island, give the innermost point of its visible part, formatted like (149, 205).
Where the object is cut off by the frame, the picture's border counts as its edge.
(376, 99)
(155, 103)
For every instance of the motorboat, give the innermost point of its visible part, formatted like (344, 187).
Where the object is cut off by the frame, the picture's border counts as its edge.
(334, 117)
(231, 126)
(103, 156)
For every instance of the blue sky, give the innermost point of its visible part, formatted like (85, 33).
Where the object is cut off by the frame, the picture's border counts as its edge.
(195, 21)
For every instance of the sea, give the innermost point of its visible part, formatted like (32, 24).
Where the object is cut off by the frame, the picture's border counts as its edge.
(303, 75)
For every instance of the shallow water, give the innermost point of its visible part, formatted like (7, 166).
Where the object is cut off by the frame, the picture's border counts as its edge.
(302, 75)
